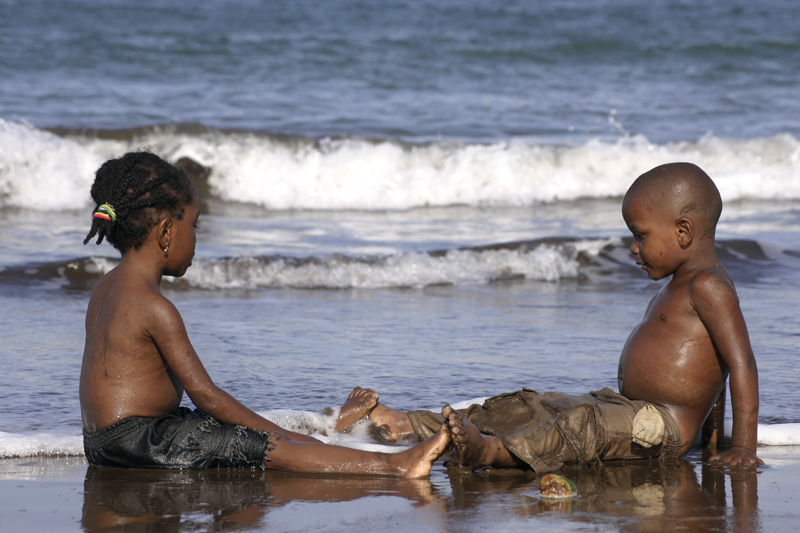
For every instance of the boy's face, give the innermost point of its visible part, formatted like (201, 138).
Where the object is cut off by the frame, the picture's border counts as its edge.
(655, 238)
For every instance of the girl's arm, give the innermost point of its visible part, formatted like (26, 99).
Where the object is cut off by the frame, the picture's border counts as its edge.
(169, 334)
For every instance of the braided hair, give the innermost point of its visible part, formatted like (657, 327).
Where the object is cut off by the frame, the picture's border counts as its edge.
(131, 194)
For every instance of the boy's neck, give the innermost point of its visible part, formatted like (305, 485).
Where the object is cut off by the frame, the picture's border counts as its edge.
(701, 257)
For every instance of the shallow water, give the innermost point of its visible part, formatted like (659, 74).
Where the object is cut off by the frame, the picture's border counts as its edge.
(358, 300)
(633, 497)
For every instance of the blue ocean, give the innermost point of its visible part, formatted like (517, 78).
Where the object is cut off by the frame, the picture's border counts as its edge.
(417, 196)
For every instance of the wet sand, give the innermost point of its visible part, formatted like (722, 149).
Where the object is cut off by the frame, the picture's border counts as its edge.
(64, 494)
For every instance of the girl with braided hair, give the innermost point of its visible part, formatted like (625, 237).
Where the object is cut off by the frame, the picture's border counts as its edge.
(138, 359)
(130, 193)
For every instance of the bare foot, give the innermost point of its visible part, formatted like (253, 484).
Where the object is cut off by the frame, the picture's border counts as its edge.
(420, 458)
(472, 449)
(392, 425)
(358, 405)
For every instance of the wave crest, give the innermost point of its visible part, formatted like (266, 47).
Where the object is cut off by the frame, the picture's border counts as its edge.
(40, 168)
(553, 259)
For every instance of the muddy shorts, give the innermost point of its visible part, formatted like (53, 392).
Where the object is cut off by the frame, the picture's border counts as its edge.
(184, 439)
(549, 430)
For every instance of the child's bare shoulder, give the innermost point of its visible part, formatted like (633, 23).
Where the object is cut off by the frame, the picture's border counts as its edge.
(712, 286)
(153, 310)
(162, 312)
(162, 323)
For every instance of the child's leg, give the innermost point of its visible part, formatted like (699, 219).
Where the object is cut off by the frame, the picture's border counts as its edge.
(311, 457)
(471, 448)
(394, 424)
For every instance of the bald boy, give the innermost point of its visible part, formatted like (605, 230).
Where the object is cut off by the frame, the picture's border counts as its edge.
(672, 371)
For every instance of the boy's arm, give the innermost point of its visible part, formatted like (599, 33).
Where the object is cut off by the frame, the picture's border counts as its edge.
(717, 305)
(169, 334)
(714, 426)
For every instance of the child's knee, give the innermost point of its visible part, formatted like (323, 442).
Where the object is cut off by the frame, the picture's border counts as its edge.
(279, 437)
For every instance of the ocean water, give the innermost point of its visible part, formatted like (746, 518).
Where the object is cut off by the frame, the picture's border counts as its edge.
(419, 197)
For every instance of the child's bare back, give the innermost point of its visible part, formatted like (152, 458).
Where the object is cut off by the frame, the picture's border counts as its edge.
(123, 373)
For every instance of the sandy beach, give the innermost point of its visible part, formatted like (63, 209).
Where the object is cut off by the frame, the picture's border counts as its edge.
(64, 494)
(419, 197)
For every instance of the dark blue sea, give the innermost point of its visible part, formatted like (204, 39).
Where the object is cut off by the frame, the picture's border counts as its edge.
(422, 197)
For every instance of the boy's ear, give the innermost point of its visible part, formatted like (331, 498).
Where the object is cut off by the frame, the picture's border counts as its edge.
(685, 231)
(164, 232)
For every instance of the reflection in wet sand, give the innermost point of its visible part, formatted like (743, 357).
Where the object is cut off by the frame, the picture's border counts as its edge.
(634, 496)
(172, 500)
(630, 496)
(221, 499)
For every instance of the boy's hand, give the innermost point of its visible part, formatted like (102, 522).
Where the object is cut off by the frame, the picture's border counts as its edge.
(736, 457)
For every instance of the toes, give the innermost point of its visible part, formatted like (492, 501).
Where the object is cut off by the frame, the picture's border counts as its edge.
(453, 418)
(459, 435)
(360, 393)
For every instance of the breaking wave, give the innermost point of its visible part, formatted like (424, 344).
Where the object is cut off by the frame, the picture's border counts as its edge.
(546, 260)
(54, 170)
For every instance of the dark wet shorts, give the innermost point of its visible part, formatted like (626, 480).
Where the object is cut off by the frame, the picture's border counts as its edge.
(184, 439)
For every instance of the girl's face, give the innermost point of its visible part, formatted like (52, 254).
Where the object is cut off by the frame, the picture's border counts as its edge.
(183, 241)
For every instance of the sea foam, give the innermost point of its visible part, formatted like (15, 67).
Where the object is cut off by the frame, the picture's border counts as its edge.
(544, 263)
(320, 425)
(38, 168)
(546, 260)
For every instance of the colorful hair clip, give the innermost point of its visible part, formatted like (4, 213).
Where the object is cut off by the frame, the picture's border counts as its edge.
(106, 212)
